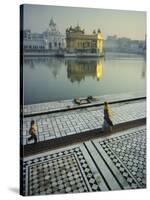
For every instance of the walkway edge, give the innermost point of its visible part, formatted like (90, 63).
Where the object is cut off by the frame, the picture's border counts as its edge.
(82, 106)
(43, 146)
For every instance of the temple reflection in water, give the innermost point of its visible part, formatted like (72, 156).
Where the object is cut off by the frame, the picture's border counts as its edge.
(58, 78)
(78, 70)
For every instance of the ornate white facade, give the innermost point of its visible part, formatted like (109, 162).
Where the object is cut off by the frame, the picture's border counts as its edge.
(49, 39)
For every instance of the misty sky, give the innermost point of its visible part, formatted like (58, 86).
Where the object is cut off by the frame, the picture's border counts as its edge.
(131, 24)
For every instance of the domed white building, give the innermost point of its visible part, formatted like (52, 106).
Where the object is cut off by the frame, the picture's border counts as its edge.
(49, 39)
(54, 39)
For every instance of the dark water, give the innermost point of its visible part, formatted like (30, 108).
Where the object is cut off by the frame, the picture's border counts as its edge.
(49, 79)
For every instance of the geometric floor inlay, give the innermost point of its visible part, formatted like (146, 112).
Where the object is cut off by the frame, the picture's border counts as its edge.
(112, 163)
(63, 172)
(128, 153)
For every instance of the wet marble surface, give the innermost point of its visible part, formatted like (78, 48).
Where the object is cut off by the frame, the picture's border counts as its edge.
(66, 104)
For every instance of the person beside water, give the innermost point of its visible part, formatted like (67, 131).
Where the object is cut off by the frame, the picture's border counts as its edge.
(33, 132)
(107, 125)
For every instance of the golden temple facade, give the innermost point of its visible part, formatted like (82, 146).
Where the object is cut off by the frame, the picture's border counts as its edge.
(76, 39)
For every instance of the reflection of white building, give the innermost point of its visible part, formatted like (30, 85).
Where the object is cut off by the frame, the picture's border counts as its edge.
(49, 39)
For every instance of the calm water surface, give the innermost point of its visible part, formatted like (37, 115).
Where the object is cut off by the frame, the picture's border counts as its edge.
(50, 79)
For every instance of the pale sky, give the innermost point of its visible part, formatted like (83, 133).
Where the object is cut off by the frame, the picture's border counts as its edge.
(131, 24)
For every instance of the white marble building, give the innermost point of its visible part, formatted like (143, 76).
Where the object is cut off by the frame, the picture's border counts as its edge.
(49, 39)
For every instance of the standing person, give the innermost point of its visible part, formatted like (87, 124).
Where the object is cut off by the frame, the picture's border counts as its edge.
(107, 121)
(33, 131)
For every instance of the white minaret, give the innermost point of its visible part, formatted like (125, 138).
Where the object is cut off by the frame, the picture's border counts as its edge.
(52, 26)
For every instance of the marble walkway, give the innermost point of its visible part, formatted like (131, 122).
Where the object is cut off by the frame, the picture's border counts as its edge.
(116, 162)
(56, 125)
